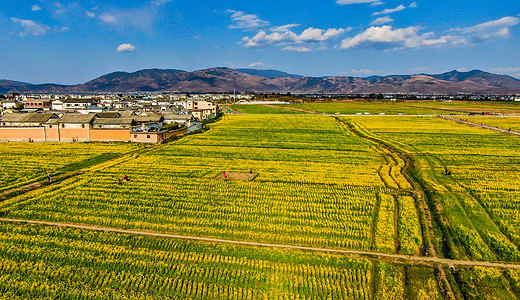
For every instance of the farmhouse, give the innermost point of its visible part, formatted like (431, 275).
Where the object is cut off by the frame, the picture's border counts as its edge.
(38, 103)
(202, 114)
(57, 105)
(202, 105)
(170, 118)
(27, 120)
(9, 104)
(75, 104)
(113, 123)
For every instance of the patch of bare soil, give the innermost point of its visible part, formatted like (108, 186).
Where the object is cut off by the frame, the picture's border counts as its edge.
(237, 176)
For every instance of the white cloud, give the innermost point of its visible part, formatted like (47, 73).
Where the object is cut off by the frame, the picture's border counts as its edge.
(315, 34)
(419, 69)
(31, 27)
(36, 7)
(160, 2)
(139, 18)
(389, 10)
(256, 65)
(245, 21)
(508, 71)
(348, 2)
(65, 29)
(91, 14)
(297, 48)
(385, 38)
(126, 48)
(500, 23)
(382, 20)
(487, 31)
(108, 18)
(60, 9)
(362, 72)
(288, 38)
(413, 5)
(284, 28)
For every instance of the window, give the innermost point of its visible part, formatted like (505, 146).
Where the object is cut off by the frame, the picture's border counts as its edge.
(148, 136)
(62, 125)
(135, 136)
(50, 126)
(82, 125)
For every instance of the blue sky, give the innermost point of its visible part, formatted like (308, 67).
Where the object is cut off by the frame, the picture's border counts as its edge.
(72, 42)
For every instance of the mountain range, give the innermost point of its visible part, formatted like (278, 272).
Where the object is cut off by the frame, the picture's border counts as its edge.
(272, 81)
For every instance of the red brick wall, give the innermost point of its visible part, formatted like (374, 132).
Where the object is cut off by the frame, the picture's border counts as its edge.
(52, 133)
(22, 134)
(67, 134)
(143, 137)
(110, 134)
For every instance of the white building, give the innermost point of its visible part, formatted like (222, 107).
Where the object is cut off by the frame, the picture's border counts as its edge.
(7, 104)
(57, 105)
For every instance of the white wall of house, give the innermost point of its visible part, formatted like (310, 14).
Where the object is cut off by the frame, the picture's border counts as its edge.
(57, 105)
(74, 126)
(8, 105)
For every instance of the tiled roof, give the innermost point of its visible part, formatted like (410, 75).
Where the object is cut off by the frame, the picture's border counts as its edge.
(76, 119)
(108, 115)
(27, 118)
(114, 121)
(79, 101)
(145, 119)
(176, 117)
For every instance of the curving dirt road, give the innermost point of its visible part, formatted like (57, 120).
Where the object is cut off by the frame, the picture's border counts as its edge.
(436, 260)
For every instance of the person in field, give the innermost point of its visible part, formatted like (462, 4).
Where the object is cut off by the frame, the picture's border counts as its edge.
(125, 178)
(224, 175)
(49, 177)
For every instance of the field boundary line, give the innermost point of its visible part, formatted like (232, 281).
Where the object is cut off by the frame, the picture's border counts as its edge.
(293, 109)
(481, 125)
(409, 258)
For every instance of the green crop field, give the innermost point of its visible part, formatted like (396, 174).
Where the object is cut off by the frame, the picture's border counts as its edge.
(26, 162)
(362, 107)
(263, 109)
(382, 185)
(480, 199)
(317, 185)
(52, 263)
(466, 107)
(512, 123)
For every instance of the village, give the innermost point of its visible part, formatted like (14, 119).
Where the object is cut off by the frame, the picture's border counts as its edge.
(103, 118)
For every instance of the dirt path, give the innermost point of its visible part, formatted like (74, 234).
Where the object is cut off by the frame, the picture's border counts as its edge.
(435, 260)
(231, 111)
(61, 175)
(293, 109)
(21, 189)
(399, 171)
(481, 125)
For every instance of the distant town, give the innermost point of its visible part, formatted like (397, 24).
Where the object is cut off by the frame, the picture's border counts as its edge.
(103, 118)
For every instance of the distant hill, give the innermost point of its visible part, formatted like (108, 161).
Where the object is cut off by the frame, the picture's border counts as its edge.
(271, 81)
(268, 73)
